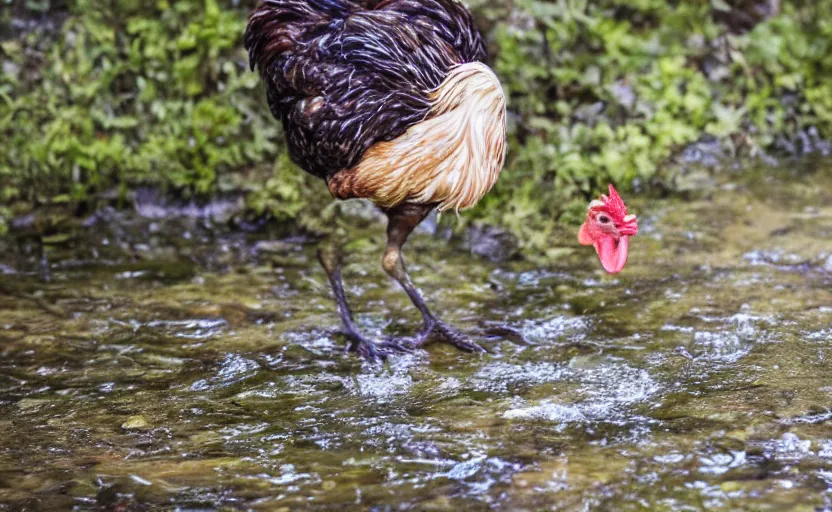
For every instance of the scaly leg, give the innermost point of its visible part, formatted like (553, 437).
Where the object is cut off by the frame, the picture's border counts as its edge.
(402, 220)
(330, 258)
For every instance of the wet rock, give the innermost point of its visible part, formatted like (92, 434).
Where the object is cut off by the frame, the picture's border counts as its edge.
(491, 243)
(804, 142)
(151, 204)
(138, 422)
(719, 463)
(198, 328)
(275, 246)
(361, 210)
(707, 152)
(234, 368)
(788, 447)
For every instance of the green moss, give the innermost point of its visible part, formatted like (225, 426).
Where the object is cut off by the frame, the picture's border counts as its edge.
(129, 93)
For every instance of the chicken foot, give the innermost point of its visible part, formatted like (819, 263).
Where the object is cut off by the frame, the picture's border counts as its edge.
(332, 261)
(402, 220)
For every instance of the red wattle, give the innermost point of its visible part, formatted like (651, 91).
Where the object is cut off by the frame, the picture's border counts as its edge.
(612, 253)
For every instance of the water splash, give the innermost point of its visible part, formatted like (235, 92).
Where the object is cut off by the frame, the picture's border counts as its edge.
(607, 394)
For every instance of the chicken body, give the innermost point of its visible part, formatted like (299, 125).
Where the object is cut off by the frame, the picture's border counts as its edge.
(390, 101)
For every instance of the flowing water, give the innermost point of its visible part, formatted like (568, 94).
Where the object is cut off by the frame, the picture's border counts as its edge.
(166, 366)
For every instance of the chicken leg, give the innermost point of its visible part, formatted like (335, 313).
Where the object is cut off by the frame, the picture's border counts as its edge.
(330, 257)
(402, 220)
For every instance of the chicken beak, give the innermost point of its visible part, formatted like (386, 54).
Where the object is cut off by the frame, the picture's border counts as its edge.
(612, 252)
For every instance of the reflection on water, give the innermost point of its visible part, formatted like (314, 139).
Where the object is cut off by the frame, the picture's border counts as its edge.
(207, 372)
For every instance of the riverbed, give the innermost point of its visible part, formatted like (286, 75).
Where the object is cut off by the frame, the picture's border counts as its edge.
(170, 364)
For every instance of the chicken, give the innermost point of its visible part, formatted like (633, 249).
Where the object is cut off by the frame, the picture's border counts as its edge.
(608, 228)
(389, 100)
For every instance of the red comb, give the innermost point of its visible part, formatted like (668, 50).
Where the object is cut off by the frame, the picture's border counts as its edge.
(614, 203)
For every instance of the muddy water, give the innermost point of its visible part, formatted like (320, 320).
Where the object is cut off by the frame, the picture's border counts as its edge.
(180, 368)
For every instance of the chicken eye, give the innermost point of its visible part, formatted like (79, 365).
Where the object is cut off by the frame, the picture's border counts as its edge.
(603, 219)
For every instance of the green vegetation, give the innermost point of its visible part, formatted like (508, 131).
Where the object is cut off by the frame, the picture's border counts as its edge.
(665, 75)
(124, 93)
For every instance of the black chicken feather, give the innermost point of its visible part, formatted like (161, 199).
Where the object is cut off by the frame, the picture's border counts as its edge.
(344, 75)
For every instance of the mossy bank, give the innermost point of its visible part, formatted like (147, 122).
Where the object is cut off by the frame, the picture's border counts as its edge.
(99, 99)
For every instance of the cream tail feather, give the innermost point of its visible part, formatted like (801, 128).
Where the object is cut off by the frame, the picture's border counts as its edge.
(452, 158)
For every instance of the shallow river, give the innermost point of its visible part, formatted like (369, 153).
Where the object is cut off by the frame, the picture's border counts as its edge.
(181, 368)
